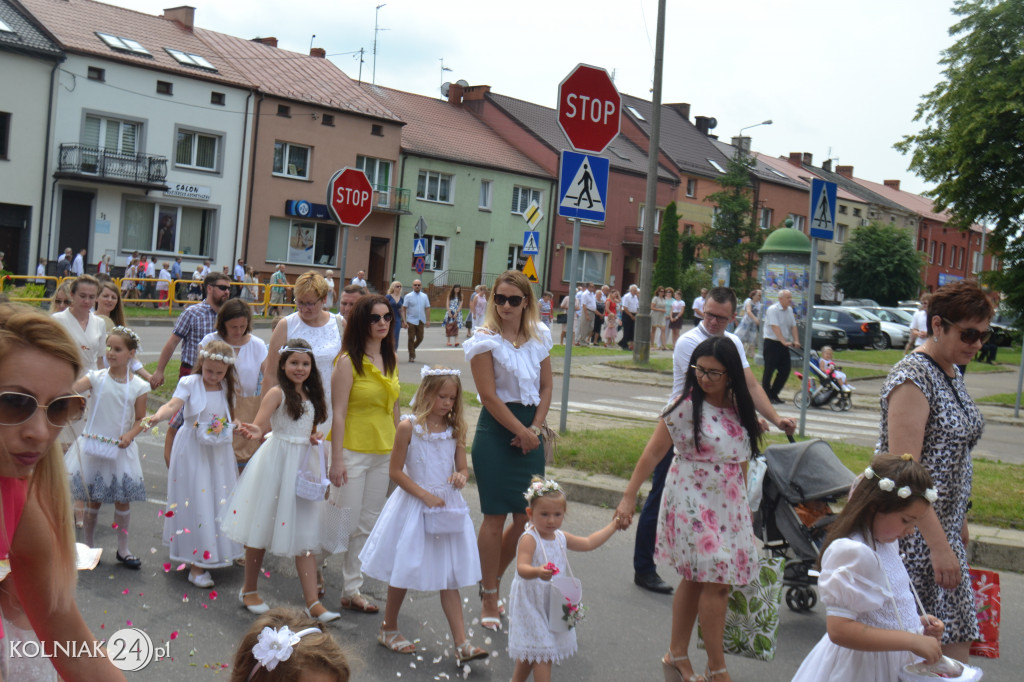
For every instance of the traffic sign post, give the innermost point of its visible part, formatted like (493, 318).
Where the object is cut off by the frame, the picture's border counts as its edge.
(589, 108)
(350, 200)
(582, 186)
(531, 243)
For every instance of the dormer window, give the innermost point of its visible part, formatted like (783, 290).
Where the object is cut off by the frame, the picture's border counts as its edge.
(123, 44)
(189, 59)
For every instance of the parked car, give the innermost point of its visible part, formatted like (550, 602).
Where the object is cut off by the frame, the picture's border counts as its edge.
(859, 303)
(894, 334)
(824, 335)
(861, 332)
(1005, 328)
(897, 315)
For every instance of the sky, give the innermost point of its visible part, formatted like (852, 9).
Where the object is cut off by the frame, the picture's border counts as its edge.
(837, 79)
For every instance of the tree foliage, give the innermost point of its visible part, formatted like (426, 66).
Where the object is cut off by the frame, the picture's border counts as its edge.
(879, 261)
(734, 235)
(666, 268)
(972, 141)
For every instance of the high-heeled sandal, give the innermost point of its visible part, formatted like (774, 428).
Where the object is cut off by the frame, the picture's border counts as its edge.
(490, 622)
(710, 675)
(467, 652)
(674, 674)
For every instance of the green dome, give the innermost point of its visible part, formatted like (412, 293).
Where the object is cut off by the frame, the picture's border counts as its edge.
(786, 240)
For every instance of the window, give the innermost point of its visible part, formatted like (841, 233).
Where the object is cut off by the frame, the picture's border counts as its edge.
(284, 110)
(978, 262)
(922, 244)
(164, 227)
(798, 221)
(515, 260)
(327, 120)
(821, 272)
(305, 242)
(942, 253)
(688, 229)
(643, 219)
(111, 134)
(960, 258)
(842, 208)
(123, 44)
(291, 160)
(197, 150)
(434, 186)
(5, 27)
(191, 59)
(592, 267)
(164, 88)
(840, 233)
(766, 218)
(377, 129)
(931, 253)
(522, 197)
(378, 172)
(94, 73)
(856, 213)
(635, 113)
(717, 166)
(5, 133)
(486, 194)
(691, 187)
(217, 98)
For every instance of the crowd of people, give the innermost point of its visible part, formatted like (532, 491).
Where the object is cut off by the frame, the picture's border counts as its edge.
(255, 427)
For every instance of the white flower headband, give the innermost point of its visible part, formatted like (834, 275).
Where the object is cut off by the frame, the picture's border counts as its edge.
(226, 359)
(274, 645)
(294, 349)
(542, 488)
(440, 372)
(887, 484)
(128, 332)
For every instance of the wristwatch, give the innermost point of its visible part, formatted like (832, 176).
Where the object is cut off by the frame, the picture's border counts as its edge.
(537, 431)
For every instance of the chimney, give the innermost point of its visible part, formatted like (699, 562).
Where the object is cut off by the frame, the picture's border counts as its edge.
(894, 184)
(184, 15)
(742, 143)
(474, 93)
(681, 108)
(808, 158)
(270, 41)
(796, 158)
(845, 171)
(318, 52)
(826, 165)
(455, 94)
(703, 124)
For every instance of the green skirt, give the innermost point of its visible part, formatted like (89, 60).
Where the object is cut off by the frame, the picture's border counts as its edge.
(503, 472)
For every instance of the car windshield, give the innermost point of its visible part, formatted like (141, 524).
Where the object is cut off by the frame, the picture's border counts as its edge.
(897, 315)
(864, 315)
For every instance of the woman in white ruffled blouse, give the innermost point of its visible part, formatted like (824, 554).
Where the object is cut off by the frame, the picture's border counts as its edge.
(509, 357)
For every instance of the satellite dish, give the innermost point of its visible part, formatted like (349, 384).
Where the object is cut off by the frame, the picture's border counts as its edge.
(462, 82)
(712, 123)
(445, 87)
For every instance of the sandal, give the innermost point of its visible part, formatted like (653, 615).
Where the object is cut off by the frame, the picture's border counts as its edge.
(490, 622)
(358, 602)
(673, 673)
(393, 639)
(467, 652)
(710, 675)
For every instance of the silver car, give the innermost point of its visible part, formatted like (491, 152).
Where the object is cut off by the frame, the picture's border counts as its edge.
(895, 334)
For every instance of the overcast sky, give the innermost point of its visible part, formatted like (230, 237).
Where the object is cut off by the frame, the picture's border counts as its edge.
(840, 79)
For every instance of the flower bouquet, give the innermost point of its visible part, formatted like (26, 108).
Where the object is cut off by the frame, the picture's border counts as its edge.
(215, 431)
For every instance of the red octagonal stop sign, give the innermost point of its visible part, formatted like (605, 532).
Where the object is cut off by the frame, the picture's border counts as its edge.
(350, 196)
(588, 108)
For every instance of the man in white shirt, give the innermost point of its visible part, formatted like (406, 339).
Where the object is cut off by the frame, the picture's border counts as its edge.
(780, 334)
(698, 307)
(588, 306)
(415, 316)
(359, 279)
(630, 306)
(78, 265)
(919, 324)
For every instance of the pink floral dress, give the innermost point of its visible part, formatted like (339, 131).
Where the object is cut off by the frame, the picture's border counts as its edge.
(704, 527)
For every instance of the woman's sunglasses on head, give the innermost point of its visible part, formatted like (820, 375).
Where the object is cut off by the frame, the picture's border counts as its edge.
(18, 408)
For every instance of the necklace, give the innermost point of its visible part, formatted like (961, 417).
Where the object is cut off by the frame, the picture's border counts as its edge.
(515, 343)
(436, 427)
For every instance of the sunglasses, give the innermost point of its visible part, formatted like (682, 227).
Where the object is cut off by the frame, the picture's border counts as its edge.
(711, 374)
(61, 301)
(969, 335)
(222, 287)
(375, 318)
(502, 299)
(18, 408)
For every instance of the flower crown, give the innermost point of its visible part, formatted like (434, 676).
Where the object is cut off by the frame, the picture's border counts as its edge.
(226, 359)
(127, 331)
(887, 484)
(274, 645)
(542, 488)
(294, 349)
(439, 372)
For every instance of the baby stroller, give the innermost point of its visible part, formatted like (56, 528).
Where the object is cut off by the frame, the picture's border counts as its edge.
(793, 519)
(824, 389)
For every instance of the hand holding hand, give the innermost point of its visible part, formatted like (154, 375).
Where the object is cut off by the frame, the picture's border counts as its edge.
(156, 380)
(624, 512)
(250, 431)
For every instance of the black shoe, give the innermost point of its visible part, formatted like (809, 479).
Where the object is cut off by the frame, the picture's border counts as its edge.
(652, 582)
(777, 401)
(130, 561)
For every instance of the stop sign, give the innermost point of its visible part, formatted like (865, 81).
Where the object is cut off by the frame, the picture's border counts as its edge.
(588, 108)
(350, 196)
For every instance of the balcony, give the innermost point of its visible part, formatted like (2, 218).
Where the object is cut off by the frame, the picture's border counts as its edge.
(116, 168)
(387, 199)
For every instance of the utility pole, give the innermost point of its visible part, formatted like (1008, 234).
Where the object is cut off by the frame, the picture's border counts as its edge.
(376, 29)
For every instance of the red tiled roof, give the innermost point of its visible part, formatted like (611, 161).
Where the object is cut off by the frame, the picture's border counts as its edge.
(438, 129)
(75, 23)
(296, 76)
(802, 174)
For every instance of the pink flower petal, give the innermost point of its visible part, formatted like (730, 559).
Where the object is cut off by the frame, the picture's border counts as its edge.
(129, 623)
(180, 566)
(125, 591)
(213, 594)
(174, 635)
(169, 514)
(206, 555)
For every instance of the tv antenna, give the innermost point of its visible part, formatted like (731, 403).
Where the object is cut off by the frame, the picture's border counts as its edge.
(444, 90)
(376, 29)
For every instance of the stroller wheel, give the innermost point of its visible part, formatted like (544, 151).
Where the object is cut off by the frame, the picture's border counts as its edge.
(801, 599)
(798, 399)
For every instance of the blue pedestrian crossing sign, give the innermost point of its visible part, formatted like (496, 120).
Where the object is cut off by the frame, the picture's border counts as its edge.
(531, 243)
(823, 209)
(419, 247)
(582, 186)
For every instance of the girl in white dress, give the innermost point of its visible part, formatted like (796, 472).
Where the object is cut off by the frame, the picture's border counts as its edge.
(264, 513)
(202, 471)
(424, 539)
(541, 554)
(104, 461)
(873, 624)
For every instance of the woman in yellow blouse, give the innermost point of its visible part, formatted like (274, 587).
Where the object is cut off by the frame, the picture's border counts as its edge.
(364, 395)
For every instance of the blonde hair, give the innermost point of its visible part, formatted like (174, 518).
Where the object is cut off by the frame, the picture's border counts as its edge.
(426, 394)
(529, 322)
(22, 327)
(310, 283)
(230, 377)
(316, 651)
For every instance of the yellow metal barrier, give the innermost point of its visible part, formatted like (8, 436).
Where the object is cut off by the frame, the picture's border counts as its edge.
(272, 306)
(147, 285)
(32, 284)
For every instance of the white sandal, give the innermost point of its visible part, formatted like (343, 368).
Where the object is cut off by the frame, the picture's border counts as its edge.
(673, 673)
(467, 652)
(393, 639)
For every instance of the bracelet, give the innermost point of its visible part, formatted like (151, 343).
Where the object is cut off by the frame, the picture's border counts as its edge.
(537, 431)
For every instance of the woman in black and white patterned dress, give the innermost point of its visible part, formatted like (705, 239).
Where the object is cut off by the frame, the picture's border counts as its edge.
(927, 412)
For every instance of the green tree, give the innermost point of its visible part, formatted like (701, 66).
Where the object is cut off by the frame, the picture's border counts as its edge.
(666, 268)
(971, 144)
(734, 235)
(691, 280)
(879, 261)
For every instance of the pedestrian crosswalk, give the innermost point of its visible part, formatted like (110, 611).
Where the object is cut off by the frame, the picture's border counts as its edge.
(859, 425)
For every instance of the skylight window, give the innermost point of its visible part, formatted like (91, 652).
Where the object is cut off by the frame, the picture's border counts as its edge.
(189, 59)
(781, 175)
(4, 27)
(123, 44)
(636, 113)
(717, 166)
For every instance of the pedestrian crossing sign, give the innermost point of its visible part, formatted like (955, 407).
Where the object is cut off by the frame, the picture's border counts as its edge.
(530, 270)
(582, 186)
(823, 209)
(531, 243)
(419, 248)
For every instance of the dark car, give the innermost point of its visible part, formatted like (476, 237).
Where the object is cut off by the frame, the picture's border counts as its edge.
(824, 335)
(860, 331)
(1005, 328)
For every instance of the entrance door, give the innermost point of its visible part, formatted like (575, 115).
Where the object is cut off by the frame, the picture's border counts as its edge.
(377, 268)
(478, 262)
(75, 221)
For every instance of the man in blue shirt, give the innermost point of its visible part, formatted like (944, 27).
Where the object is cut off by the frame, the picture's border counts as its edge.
(415, 316)
(176, 275)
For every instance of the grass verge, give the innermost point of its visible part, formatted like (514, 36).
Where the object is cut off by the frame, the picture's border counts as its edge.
(558, 351)
(1005, 399)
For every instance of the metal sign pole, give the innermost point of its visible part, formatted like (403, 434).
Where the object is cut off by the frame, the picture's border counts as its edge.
(570, 316)
(344, 256)
(808, 335)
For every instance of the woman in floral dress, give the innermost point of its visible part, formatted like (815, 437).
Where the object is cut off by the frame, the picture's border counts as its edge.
(704, 526)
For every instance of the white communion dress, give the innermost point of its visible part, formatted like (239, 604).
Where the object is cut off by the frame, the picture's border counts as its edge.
(529, 638)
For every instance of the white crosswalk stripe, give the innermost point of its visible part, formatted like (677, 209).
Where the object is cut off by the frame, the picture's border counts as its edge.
(820, 423)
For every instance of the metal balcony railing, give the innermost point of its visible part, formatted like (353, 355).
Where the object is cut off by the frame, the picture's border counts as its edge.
(142, 169)
(388, 199)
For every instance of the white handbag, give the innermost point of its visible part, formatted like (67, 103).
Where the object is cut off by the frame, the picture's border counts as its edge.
(96, 444)
(565, 596)
(206, 434)
(308, 484)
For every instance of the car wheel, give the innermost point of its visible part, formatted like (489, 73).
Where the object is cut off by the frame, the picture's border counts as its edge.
(882, 342)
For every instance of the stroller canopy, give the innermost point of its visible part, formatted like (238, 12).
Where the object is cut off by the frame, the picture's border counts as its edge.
(808, 470)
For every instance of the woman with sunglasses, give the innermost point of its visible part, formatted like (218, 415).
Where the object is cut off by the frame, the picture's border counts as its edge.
(38, 365)
(509, 356)
(365, 396)
(927, 412)
(61, 298)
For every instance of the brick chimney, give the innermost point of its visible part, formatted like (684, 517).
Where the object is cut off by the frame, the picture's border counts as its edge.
(808, 158)
(184, 15)
(845, 171)
(318, 52)
(894, 184)
(271, 41)
(796, 158)
(681, 108)
(474, 93)
(826, 165)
